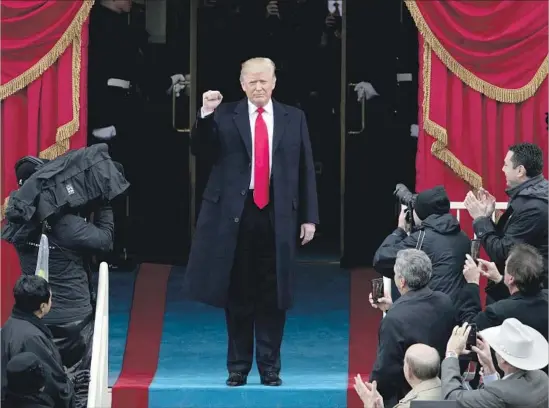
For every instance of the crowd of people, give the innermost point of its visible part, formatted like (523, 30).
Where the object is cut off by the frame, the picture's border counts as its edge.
(436, 342)
(495, 356)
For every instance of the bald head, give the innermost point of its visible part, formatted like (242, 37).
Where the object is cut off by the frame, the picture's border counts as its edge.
(423, 361)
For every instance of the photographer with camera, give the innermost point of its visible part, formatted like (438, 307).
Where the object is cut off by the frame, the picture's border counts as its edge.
(72, 242)
(427, 224)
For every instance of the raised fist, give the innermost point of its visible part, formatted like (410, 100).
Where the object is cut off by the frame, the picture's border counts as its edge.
(211, 100)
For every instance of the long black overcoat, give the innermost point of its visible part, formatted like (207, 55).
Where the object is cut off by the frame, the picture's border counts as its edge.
(224, 138)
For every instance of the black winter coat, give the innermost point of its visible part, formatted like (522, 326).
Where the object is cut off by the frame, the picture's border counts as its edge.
(524, 221)
(444, 243)
(25, 332)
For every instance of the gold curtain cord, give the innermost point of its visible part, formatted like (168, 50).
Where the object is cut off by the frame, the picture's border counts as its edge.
(439, 148)
(73, 31)
(73, 36)
(491, 91)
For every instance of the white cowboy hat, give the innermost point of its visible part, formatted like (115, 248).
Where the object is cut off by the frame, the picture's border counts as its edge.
(521, 346)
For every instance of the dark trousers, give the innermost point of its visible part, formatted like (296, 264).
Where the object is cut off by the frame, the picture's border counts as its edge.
(253, 300)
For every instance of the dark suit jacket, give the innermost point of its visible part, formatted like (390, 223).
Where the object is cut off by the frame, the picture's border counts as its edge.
(224, 139)
(26, 333)
(419, 316)
(530, 310)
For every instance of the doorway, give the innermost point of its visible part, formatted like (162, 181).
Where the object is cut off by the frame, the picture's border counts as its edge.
(322, 50)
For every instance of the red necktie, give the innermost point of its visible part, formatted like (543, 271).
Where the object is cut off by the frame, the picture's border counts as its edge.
(261, 161)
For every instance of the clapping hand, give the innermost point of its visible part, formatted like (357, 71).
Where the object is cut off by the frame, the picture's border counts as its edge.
(368, 393)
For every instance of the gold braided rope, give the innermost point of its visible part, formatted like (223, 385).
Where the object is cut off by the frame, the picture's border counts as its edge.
(73, 31)
(491, 91)
(66, 131)
(439, 148)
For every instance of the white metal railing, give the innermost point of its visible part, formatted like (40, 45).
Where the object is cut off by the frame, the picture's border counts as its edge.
(457, 206)
(98, 393)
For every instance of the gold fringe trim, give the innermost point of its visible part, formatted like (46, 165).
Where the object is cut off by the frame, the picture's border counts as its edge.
(69, 36)
(66, 131)
(491, 91)
(439, 148)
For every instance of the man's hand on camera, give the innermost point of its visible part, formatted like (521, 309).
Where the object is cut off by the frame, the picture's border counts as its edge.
(402, 224)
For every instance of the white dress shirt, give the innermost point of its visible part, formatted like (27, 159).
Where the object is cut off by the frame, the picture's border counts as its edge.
(268, 117)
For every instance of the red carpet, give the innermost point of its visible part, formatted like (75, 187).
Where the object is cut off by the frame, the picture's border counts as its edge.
(364, 324)
(144, 337)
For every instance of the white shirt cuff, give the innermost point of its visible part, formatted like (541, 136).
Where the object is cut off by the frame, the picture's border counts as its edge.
(204, 113)
(490, 378)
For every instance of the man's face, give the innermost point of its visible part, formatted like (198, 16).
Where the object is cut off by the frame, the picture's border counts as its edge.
(513, 175)
(258, 86)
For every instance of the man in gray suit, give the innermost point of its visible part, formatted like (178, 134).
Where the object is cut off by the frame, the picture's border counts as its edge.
(521, 353)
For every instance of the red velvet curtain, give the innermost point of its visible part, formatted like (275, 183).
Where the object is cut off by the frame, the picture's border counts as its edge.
(483, 87)
(43, 93)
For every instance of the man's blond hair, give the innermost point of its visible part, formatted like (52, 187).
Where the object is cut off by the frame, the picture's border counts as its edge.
(257, 64)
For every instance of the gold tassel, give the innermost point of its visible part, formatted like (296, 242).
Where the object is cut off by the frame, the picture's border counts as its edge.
(439, 148)
(66, 131)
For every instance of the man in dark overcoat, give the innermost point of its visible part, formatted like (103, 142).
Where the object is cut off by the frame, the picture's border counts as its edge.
(260, 196)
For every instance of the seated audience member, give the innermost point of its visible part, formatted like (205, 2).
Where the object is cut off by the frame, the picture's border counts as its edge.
(420, 315)
(517, 294)
(525, 220)
(73, 240)
(421, 368)
(438, 234)
(520, 351)
(24, 331)
(26, 381)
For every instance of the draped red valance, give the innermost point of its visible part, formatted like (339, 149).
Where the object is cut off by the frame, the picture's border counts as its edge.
(43, 93)
(489, 44)
(482, 88)
(483, 68)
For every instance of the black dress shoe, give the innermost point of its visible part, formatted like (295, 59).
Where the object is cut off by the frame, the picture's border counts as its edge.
(237, 379)
(271, 378)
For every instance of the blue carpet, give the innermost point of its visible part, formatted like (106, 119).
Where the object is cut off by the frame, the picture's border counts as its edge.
(120, 301)
(192, 371)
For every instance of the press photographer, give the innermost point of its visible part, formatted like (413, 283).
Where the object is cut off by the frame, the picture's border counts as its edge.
(52, 200)
(427, 224)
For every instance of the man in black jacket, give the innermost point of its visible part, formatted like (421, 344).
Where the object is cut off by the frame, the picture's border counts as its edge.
(525, 220)
(25, 332)
(72, 240)
(420, 315)
(517, 294)
(26, 381)
(438, 234)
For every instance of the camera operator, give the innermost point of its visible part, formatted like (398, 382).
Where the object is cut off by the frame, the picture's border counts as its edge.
(433, 230)
(72, 242)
